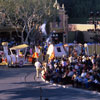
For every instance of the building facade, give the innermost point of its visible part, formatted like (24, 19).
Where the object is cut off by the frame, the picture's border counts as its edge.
(88, 31)
(7, 30)
(61, 27)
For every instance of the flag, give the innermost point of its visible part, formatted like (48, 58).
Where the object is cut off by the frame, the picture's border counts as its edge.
(43, 28)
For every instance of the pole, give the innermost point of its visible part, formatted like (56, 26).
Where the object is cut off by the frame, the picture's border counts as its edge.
(95, 26)
(40, 93)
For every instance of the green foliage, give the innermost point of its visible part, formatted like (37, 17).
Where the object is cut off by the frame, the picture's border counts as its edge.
(25, 8)
(78, 20)
(80, 8)
(29, 14)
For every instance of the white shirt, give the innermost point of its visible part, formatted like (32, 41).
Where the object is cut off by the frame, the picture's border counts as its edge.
(71, 59)
(83, 74)
(70, 73)
(37, 64)
(63, 63)
(76, 67)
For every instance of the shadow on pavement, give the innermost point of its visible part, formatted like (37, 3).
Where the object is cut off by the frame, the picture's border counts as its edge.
(53, 93)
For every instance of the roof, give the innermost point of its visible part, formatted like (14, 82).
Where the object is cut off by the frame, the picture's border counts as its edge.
(81, 27)
(22, 46)
(58, 30)
(60, 44)
(9, 28)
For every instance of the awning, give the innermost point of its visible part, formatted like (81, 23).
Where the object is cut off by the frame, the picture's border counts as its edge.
(22, 46)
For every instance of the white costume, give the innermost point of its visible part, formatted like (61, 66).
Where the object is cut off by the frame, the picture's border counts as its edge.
(37, 65)
(43, 28)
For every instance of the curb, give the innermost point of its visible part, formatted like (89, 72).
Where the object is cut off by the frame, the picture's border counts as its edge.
(58, 85)
(70, 87)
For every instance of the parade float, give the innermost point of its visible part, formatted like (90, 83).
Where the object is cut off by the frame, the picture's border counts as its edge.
(15, 55)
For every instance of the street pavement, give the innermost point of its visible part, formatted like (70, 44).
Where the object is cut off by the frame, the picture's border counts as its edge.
(21, 84)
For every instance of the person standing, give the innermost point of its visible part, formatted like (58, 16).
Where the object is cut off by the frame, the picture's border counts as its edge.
(38, 66)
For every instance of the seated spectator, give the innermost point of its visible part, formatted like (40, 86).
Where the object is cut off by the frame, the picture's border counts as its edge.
(80, 71)
(74, 79)
(79, 81)
(83, 74)
(70, 74)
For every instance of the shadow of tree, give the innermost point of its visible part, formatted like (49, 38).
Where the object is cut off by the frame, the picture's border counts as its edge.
(51, 92)
(30, 90)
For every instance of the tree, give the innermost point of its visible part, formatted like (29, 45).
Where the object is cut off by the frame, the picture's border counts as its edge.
(80, 8)
(29, 15)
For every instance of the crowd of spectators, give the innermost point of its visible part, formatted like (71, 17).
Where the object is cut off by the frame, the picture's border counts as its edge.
(81, 71)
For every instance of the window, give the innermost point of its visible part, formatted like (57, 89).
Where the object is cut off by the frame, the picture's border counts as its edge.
(14, 52)
(58, 49)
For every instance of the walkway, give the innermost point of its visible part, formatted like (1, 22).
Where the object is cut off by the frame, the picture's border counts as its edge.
(20, 84)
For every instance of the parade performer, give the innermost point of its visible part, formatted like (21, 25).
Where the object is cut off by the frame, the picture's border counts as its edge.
(38, 67)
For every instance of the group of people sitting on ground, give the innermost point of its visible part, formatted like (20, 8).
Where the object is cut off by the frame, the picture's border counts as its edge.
(80, 71)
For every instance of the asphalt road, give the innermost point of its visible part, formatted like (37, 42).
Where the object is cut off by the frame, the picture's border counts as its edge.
(21, 84)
